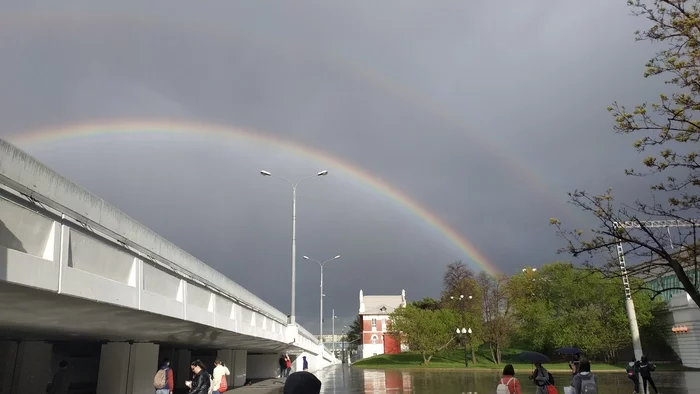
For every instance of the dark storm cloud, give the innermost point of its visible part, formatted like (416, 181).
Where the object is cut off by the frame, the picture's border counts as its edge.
(486, 113)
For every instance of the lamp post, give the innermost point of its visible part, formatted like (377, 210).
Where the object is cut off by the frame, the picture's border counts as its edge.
(333, 318)
(292, 315)
(320, 321)
(463, 330)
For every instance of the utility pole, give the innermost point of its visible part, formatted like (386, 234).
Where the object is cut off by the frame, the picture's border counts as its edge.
(629, 303)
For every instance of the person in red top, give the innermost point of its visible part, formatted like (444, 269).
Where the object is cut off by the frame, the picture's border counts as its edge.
(510, 380)
(170, 383)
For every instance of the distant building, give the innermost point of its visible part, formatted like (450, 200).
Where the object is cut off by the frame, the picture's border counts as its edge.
(684, 316)
(374, 312)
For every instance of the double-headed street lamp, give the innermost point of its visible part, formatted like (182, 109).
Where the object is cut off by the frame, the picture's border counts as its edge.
(320, 322)
(292, 316)
(463, 330)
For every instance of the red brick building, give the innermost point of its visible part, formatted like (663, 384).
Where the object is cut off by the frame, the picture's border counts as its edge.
(374, 312)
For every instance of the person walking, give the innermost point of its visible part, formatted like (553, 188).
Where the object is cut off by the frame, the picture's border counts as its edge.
(646, 367)
(219, 381)
(283, 366)
(632, 370)
(201, 383)
(163, 382)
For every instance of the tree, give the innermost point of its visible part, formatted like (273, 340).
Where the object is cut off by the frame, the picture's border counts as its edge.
(427, 303)
(498, 320)
(426, 331)
(459, 280)
(669, 128)
(455, 275)
(354, 333)
(560, 305)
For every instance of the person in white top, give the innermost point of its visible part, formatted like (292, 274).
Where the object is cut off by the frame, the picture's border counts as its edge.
(219, 381)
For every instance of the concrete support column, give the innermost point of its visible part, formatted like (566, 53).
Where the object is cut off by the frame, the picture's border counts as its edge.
(226, 356)
(25, 367)
(262, 366)
(8, 355)
(239, 367)
(182, 373)
(127, 368)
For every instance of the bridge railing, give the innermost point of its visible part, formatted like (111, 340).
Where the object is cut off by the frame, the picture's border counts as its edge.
(24, 174)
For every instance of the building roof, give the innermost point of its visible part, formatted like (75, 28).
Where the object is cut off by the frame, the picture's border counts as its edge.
(381, 304)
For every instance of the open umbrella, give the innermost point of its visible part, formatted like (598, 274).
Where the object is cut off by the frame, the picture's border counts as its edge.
(532, 357)
(569, 350)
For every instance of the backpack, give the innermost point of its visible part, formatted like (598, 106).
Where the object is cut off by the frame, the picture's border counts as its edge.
(502, 388)
(161, 378)
(588, 385)
(631, 372)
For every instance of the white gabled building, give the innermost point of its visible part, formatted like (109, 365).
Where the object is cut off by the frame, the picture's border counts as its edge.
(374, 312)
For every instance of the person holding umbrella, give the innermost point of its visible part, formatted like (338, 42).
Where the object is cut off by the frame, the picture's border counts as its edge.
(573, 364)
(540, 376)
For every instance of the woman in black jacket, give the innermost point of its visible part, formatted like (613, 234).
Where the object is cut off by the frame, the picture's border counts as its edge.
(645, 369)
(202, 380)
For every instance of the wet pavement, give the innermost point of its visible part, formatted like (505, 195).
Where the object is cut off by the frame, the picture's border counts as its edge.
(348, 380)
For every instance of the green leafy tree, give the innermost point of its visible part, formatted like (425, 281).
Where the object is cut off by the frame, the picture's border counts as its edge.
(669, 130)
(354, 333)
(560, 305)
(427, 303)
(426, 331)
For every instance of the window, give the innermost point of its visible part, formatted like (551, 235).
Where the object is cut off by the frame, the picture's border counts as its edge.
(374, 339)
(374, 324)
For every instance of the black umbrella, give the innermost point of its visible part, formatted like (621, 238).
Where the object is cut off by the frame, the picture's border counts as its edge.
(569, 350)
(532, 357)
(302, 383)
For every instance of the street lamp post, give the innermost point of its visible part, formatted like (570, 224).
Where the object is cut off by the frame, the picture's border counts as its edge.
(333, 318)
(320, 320)
(292, 316)
(463, 330)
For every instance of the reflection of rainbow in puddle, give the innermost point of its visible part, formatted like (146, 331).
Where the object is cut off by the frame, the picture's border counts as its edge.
(377, 382)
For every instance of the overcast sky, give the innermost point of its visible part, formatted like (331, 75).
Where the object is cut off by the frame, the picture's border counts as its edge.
(485, 113)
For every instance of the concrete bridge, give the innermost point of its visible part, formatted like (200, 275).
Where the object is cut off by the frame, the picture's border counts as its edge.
(76, 273)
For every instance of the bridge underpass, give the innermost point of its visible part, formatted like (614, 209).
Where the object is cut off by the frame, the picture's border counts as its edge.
(75, 270)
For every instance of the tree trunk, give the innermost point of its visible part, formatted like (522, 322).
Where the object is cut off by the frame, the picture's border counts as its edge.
(493, 355)
(426, 358)
(498, 353)
(473, 354)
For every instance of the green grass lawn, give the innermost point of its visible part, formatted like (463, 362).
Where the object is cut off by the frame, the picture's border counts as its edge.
(454, 359)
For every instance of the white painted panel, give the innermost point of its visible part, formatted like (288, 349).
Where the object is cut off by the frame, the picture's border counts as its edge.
(94, 287)
(28, 270)
(22, 229)
(160, 282)
(199, 315)
(197, 297)
(156, 303)
(91, 255)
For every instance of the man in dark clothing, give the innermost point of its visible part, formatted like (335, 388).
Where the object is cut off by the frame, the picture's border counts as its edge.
(302, 383)
(283, 366)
